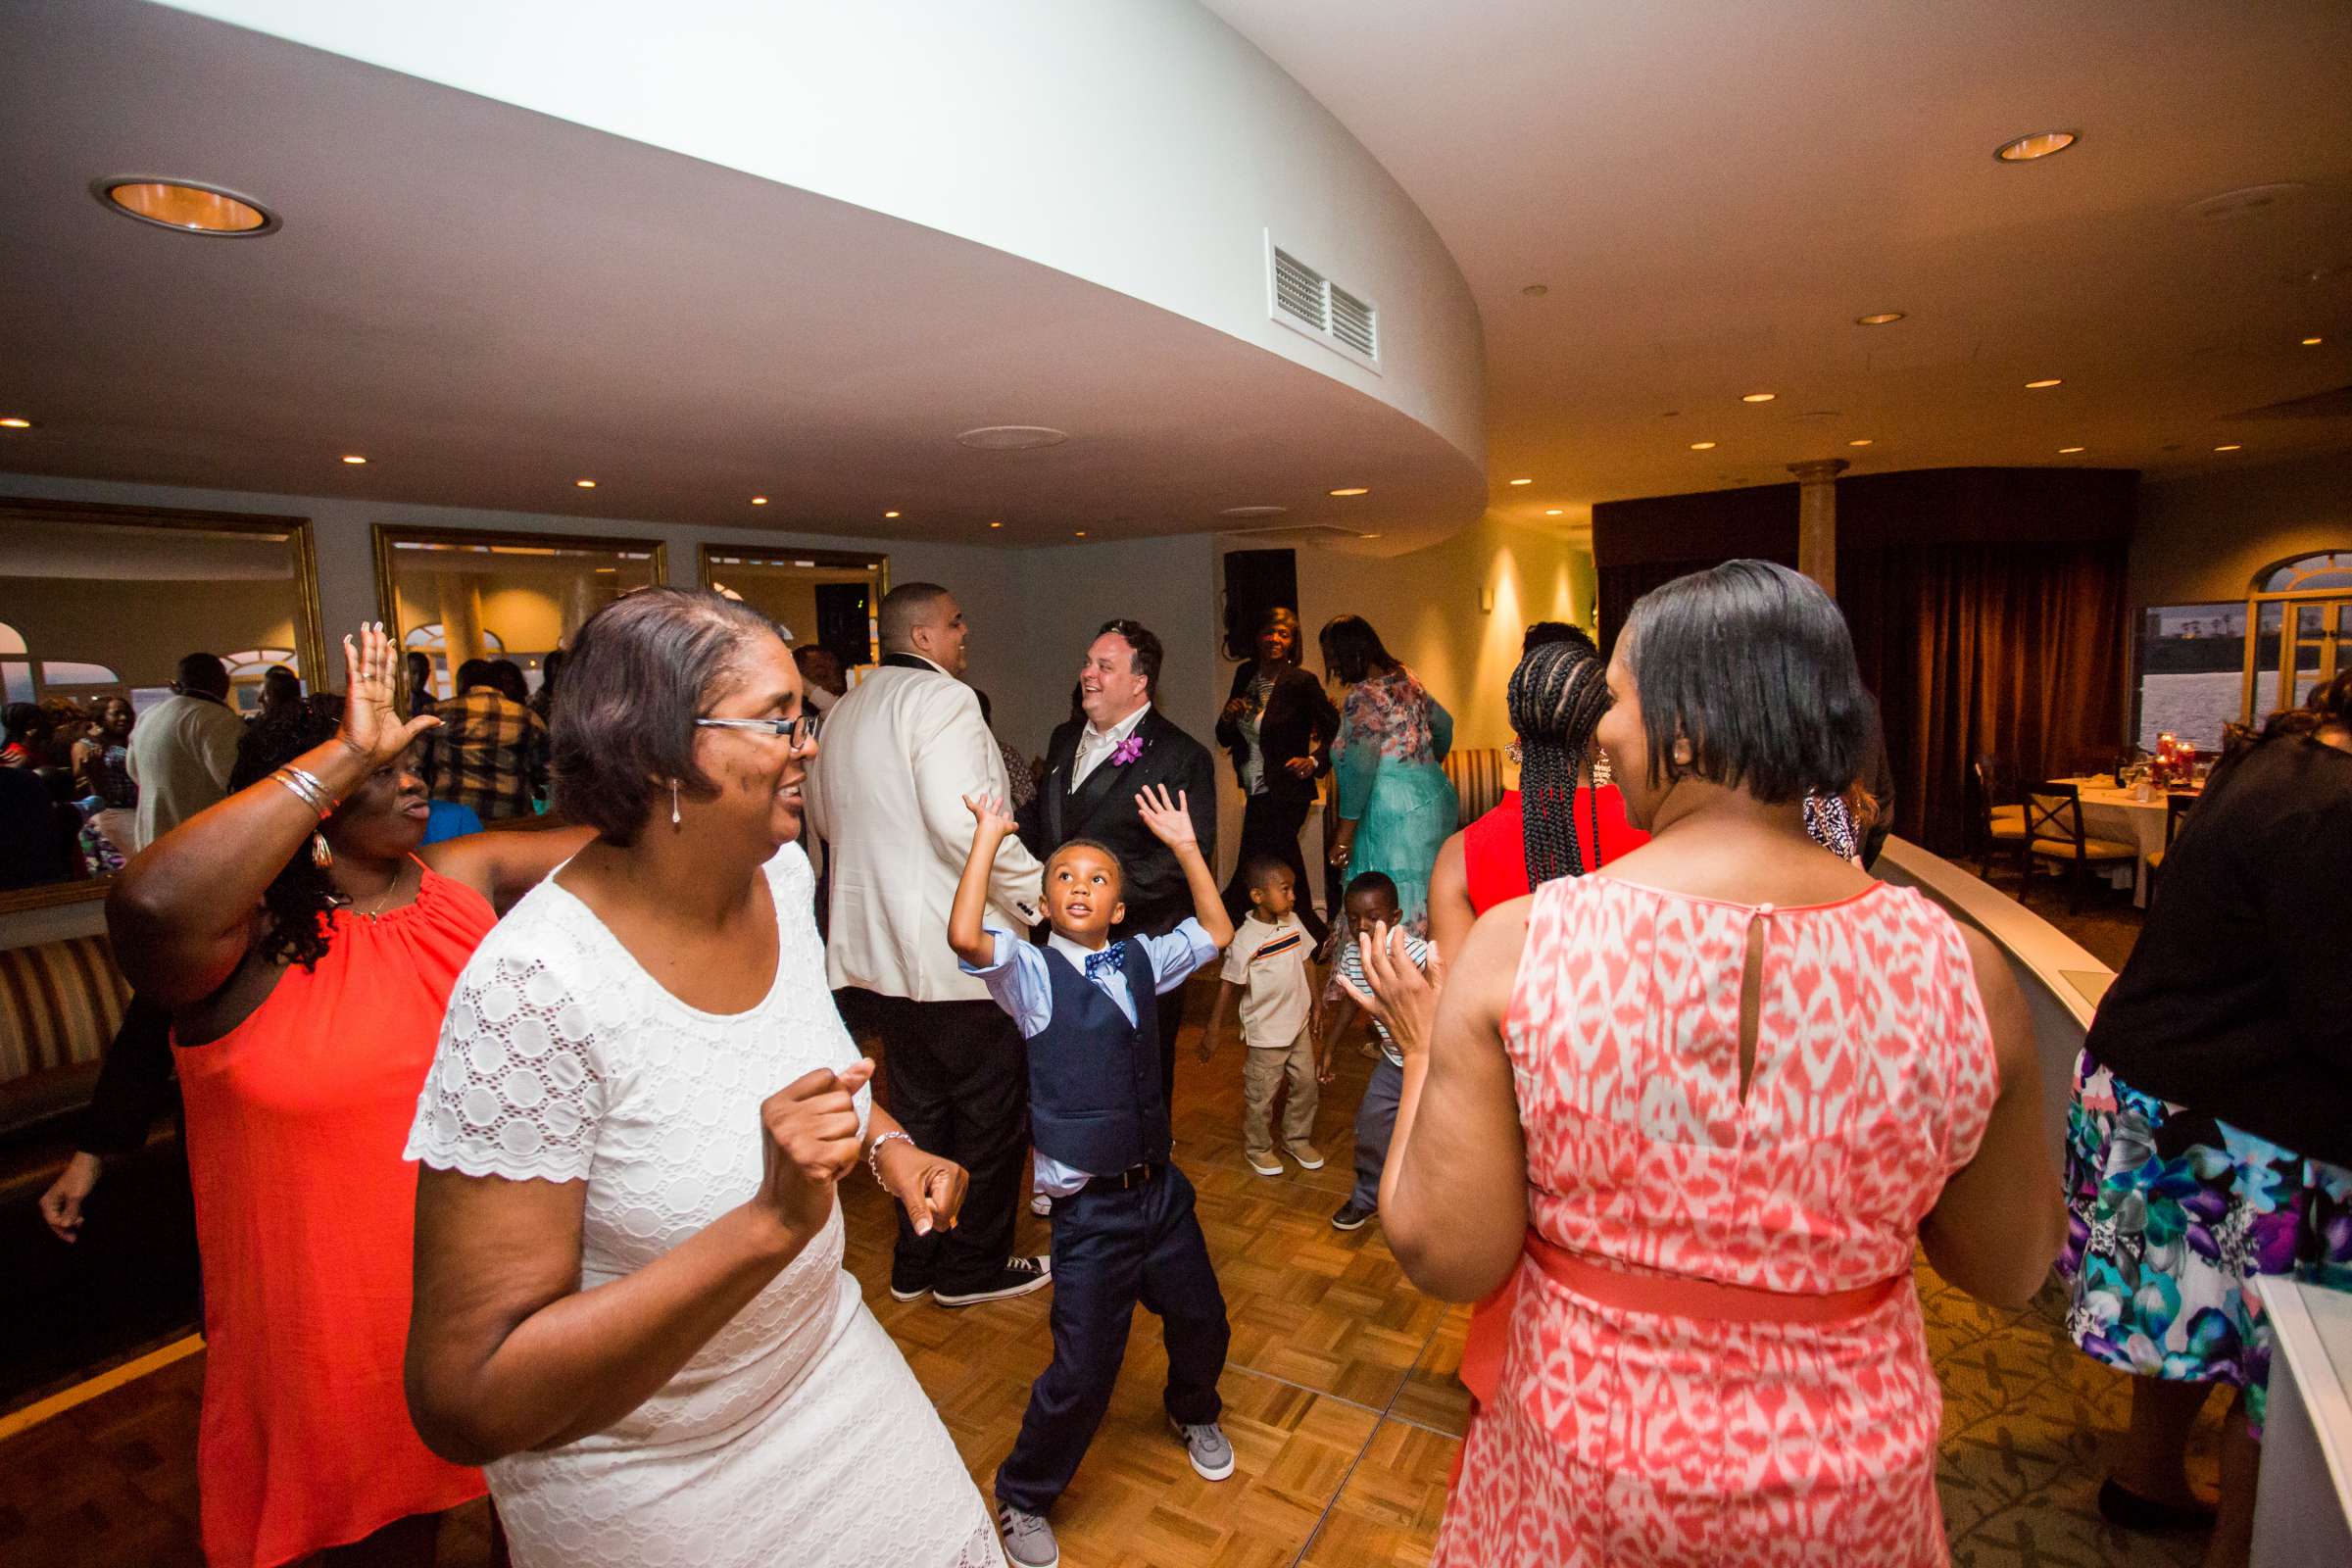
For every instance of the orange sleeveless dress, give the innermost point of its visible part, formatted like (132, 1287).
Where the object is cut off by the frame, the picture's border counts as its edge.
(305, 1218)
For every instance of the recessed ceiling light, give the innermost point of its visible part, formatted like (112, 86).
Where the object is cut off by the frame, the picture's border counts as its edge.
(1859, 441)
(585, 484)
(2036, 387)
(758, 501)
(355, 460)
(1013, 437)
(1881, 319)
(1352, 490)
(13, 422)
(890, 514)
(2232, 447)
(1079, 533)
(1530, 481)
(2068, 452)
(184, 206)
(1553, 512)
(1535, 291)
(1702, 446)
(1759, 396)
(2043, 143)
(2309, 343)
(995, 525)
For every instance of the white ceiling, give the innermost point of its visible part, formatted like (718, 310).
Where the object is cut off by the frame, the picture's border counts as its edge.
(490, 303)
(1712, 190)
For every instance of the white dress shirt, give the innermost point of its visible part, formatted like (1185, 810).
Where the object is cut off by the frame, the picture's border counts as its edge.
(1095, 746)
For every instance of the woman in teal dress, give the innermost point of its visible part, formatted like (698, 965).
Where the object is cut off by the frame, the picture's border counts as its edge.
(1396, 806)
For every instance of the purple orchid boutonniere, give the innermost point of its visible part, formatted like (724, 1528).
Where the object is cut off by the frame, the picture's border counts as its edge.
(1127, 751)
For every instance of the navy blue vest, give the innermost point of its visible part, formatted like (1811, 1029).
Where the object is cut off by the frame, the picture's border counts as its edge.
(1094, 1077)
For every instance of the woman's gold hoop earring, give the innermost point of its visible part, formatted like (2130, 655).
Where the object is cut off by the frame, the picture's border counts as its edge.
(674, 818)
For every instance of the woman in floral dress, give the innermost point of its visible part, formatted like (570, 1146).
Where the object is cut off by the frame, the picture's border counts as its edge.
(2211, 1137)
(1395, 804)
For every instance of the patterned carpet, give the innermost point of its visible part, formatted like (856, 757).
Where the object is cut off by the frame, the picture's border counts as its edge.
(2027, 1419)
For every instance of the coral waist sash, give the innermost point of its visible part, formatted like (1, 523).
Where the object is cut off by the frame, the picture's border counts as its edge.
(1666, 1295)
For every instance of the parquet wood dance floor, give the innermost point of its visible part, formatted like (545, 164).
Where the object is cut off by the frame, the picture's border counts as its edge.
(1340, 1399)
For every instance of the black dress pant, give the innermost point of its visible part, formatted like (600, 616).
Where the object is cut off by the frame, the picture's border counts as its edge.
(959, 1079)
(1271, 826)
(1113, 1248)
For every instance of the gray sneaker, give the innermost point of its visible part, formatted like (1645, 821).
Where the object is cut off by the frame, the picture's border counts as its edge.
(1211, 1454)
(1028, 1538)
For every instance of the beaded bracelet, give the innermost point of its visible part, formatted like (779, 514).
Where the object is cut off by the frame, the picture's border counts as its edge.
(874, 1154)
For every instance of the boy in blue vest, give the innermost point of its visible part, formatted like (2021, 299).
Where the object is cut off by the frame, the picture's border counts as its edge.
(1124, 1229)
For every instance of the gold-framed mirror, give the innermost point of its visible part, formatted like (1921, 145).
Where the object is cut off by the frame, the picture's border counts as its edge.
(98, 603)
(459, 594)
(827, 598)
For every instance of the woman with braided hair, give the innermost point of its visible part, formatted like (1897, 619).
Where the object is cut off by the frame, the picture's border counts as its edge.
(305, 948)
(1554, 819)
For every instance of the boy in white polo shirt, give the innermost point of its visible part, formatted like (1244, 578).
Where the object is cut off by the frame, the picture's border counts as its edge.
(1282, 1018)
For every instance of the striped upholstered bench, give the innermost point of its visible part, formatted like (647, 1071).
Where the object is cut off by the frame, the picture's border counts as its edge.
(1477, 775)
(60, 1004)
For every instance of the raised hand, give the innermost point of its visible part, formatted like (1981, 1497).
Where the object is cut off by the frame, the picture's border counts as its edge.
(373, 728)
(990, 816)
(808, 1141)
(928, 1187)
(1170, 821)
(1401, 996)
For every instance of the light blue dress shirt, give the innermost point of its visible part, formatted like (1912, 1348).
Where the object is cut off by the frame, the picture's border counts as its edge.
(1022, 986)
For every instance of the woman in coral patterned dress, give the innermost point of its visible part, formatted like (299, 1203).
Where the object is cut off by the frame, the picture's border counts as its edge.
(1702, 1103)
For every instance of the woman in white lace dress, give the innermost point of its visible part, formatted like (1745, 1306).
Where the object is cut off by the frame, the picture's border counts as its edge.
(630, 1306)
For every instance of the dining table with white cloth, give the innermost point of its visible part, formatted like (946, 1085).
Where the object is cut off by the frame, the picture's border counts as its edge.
(2121, 816)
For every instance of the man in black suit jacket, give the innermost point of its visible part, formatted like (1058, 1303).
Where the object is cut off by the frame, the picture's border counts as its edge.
(1094, 769)
(1296, 726)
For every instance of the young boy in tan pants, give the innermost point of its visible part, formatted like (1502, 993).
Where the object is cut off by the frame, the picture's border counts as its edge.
(1282, 1016)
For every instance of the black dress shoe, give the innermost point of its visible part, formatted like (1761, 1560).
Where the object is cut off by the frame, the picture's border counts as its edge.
(2127, 1509)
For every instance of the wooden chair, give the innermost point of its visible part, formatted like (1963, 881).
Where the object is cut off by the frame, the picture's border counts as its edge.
(2175, 807)
(2054, 832)
(2000, 823)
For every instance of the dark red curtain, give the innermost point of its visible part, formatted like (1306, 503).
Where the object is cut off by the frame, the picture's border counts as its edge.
(1989, 610)
(2007, 649)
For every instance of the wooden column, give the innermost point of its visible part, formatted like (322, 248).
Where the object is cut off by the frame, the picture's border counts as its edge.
(1817, 519)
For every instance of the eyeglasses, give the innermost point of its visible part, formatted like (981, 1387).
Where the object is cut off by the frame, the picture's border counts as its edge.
(801, 731)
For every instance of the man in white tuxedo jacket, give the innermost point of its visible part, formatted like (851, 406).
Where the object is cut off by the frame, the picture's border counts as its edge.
(886, 794)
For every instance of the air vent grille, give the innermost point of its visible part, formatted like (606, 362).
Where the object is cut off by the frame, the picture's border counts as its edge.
(1298, 290)
(1305, 299)
(1354, 322)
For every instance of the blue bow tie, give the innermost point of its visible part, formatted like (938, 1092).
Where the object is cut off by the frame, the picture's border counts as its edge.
(1108, 958)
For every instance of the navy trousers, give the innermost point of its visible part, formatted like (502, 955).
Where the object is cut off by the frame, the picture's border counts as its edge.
(1113, 1248)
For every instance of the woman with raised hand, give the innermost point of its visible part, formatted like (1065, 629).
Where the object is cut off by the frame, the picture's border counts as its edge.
(305, 948)
(630, 1304)
(1700, 1106)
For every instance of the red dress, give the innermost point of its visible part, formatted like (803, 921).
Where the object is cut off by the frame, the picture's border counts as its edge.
(1714, 1355)
(305, 1218)
(1494, 846)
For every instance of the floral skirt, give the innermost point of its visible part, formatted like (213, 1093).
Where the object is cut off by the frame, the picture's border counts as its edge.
(2164, 1249)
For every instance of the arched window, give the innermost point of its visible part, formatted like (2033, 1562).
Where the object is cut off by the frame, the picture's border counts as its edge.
(2329, 569)
(2300, 612)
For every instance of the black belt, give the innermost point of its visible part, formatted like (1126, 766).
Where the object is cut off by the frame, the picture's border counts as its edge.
(1133, 1176)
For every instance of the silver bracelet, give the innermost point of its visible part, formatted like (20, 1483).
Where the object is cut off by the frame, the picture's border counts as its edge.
(873, 1153)
(308, 789)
